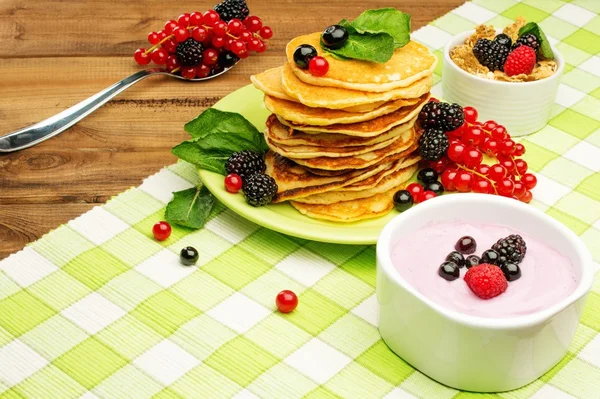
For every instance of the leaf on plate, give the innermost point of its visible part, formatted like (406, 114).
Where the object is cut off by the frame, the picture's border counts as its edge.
(190, 208)
(385, 20)
(375, 47)
(545, 48)
(213, 160)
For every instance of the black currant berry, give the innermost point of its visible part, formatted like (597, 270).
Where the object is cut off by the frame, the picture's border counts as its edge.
(427, 175)
(189, 256)
(403, 200)
(334, 36)
(303, 54)
(511, 271)
(449, 271)
(466, 245)
(472, 260)
(457, 258)
(434, 186)
(490, 256)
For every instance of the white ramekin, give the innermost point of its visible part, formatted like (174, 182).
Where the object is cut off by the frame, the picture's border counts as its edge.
(522, 107)
(468, 352)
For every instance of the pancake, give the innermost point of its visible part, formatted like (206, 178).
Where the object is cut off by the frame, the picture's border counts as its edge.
(370, 128)
(336, 98)
(375, 179)
(294, 181)
(392, 181)
(401, 147)
(350, 211)
(407, 65)
(299, 113)
(269, 82)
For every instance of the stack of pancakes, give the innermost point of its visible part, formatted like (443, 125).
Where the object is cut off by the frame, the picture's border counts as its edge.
(341, 145)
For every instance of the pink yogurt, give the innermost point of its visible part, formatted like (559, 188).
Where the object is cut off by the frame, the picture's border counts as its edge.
(547, 276)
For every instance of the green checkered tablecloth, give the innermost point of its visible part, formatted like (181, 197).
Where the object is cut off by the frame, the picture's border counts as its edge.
(98, 309)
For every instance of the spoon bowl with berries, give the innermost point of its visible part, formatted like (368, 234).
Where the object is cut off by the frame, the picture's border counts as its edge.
(196, 47)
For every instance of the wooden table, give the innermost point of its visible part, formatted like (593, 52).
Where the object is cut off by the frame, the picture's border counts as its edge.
(55, 53)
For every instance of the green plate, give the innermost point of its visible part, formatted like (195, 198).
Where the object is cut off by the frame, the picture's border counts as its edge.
(283, 218)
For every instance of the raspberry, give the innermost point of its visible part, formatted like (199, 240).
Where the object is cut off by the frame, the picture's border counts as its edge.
(433, 144)
(259, 189)
(490, 54)
(486, 281)
(511, 249)
(520, 60)
(189, 52)
(230, 9)
(245, 164)
(528, 39)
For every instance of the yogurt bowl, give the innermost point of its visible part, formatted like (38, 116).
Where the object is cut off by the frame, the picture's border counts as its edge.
(463, 349)
(522, 107)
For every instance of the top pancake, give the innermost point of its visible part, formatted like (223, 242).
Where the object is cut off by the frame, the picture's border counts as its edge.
(408, 65)
(337, 98)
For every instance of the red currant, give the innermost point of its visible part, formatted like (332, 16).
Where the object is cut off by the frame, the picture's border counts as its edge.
(161, 35)
(153, 38)
(318, 66)
(474, 135)
(529, 180)
(433, 100)
(262, 47)
(159, 56)
(482, 169)
(161, 230)
(490, 147)
(447, 179)
(184, 20)
(521, 166)
(235, 26)
(254, 44)
(472, 157)
(286, 301)
(202, 71)
(519, 189)
(237, 46)
(470, 114)
(456, 152)
(220, 28)
(499, 133)
(496, 172)
(172, 63)
(527, 197)
(170, 26)
(424, 196)
(505, 187)
(440, 165)
(509, 165)
(482, 186)
(246, 36)
(253, 23)
(244, 53)
(188, 72)
(489, 125)
(415, 189)
(266, 32)
(519, 149)
(218, 41)
(141, 57)
(181, 34)
(196, 18)
(210, 56)
(199, 34)
(233, 183)
(210, 17)
(170, 45)
(507, 147)
(463, 180)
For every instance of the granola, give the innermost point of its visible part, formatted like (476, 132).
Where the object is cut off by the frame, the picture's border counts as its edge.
(463, 56)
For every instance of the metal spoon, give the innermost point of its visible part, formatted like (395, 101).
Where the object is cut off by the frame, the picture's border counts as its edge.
(42, 131)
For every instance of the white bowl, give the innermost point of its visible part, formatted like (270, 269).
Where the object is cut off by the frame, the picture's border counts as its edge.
(522, 107)
(469, 352)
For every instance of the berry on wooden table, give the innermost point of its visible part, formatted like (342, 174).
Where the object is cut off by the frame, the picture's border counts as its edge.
(230, 9)
(286, 301)
(161, 230)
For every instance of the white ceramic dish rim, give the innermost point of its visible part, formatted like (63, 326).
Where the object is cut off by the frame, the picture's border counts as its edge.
(450, 43)
(385, 242)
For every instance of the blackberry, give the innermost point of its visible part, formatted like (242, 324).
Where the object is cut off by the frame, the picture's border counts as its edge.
(528, 39)
(490, 54)
(510, 249)
(444, 116)
(230, 9)
(189, 52)
(259, 189)
(433, 144)
(245, 164)
(504, 40)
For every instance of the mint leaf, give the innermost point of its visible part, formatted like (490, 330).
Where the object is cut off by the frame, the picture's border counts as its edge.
(385, 20)
(213, 160)
(545, 48)
(375, 47)
(215, 121)
(190, 208)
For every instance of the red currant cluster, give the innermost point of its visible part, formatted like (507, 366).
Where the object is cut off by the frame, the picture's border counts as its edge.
(463, 168)
(216, 37)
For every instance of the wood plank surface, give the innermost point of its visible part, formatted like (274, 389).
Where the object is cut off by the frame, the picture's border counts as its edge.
(54, 53)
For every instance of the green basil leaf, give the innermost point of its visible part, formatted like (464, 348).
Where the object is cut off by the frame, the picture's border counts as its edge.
(190, 208)
(215, 121)
(385, 20)
(375, 47)
(213, 160)
(545, 48)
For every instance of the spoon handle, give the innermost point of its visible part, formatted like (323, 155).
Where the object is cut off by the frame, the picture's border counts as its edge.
(41, 131)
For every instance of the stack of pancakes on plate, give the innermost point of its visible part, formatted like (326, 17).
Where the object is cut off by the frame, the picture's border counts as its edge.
(341, 145)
